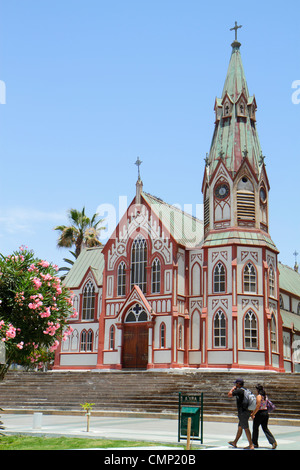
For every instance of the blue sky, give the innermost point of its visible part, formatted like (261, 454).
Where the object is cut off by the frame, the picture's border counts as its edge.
(92, 84)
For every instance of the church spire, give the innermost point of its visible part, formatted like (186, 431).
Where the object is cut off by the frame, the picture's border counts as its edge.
(235, 126)
(235, 184)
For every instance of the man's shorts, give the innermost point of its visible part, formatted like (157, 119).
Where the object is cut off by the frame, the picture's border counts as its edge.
(244, 416)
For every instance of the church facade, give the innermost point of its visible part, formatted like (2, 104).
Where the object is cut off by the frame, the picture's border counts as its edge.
(171, 291)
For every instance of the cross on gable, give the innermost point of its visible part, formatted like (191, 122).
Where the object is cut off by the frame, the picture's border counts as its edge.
(138, 164)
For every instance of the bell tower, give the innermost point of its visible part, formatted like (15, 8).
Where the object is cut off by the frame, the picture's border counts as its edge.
(240, 269)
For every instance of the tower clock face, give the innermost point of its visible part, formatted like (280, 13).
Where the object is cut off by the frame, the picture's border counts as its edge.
(263, 195)
(222, 191)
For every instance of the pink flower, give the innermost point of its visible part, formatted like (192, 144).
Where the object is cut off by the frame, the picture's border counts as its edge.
(32, 268)
(37, 282)
(54, 346)
(44, 264)
(20, 345)
(46, 314)
(11, 332)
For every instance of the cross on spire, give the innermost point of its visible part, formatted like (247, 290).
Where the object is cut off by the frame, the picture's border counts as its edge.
(138, 164)
(235, 28)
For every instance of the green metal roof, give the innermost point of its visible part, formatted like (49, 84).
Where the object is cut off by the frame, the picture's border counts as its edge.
(289, 279)
(186, 229)
(255, 238)
(290, 320)
(88, 258)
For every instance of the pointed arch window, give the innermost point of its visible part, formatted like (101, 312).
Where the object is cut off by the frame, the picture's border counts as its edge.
(180, 337)
(88, 304)
(220, 330)
(139, 264)
(249, 278)
(121, 279)
(271, 282)
(273, 334)
(156, 276)
(162, 336)
(250, 331)
(219, 278)
(112, 337)
(136, 314)
(86, 341)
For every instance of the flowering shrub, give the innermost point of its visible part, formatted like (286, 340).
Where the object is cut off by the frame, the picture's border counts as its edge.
(34, 308)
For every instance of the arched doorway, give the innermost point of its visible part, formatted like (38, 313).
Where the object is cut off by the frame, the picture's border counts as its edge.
(135, 339)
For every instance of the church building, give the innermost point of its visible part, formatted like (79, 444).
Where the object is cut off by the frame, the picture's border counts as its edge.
(171, 291)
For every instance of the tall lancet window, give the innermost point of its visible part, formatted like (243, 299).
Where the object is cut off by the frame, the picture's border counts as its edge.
(121, 279)
(219, 278)
(271, 282)
(156, 276)
(139, 263)
(220, 330)
(249, 278)
(88, 306)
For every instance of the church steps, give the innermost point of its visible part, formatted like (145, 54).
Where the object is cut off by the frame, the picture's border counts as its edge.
(141, 391)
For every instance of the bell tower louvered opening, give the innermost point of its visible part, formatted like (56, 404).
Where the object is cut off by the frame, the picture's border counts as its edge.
(245, 199)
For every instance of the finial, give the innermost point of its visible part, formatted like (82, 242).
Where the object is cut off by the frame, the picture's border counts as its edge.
(221, 153)
(296, 264)
(236, 43)
(206, 159)
(138, 164)
(245, 152)
(139, 183)
(262, 159)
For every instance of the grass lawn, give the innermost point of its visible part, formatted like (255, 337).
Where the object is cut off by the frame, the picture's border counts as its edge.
(20, 442)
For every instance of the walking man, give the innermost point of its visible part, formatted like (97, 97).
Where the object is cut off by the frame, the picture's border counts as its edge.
(243, 413)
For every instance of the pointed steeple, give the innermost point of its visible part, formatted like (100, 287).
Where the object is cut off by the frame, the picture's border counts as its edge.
(235, 134)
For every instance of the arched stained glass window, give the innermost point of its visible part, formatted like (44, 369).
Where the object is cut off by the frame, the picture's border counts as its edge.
(88, 305)
(249, 278)
(162, 335)
(219, 278)
(136, 314)
(139, 263)
(86, 341)
(271, 282)
(156, 276)
(121, 279)
(250, 331)
(220, 330)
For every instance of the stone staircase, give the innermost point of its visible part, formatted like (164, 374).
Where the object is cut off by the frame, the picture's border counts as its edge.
(142, 391)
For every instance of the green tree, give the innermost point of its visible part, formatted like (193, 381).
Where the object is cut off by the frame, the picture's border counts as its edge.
(34, 308)
(82, 231)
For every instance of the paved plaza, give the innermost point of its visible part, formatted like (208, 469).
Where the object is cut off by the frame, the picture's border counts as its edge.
(216, 434)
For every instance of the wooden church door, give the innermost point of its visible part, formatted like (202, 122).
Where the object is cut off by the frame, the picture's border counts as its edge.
(135, 340)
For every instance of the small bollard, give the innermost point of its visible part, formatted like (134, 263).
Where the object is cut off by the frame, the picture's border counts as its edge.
(37, 420)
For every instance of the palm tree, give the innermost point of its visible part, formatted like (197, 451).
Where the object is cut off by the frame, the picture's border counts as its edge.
(82, 232)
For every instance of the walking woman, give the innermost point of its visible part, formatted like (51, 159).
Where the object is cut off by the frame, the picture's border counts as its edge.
(260, 417)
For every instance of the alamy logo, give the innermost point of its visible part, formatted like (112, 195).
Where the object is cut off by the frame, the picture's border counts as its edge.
(2, 92)
(296, 351)
(296, 94)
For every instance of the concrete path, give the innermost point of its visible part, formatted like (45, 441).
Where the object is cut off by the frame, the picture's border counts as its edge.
(165, 431)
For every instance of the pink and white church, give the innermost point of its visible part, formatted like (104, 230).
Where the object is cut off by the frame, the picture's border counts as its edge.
(170, 291)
